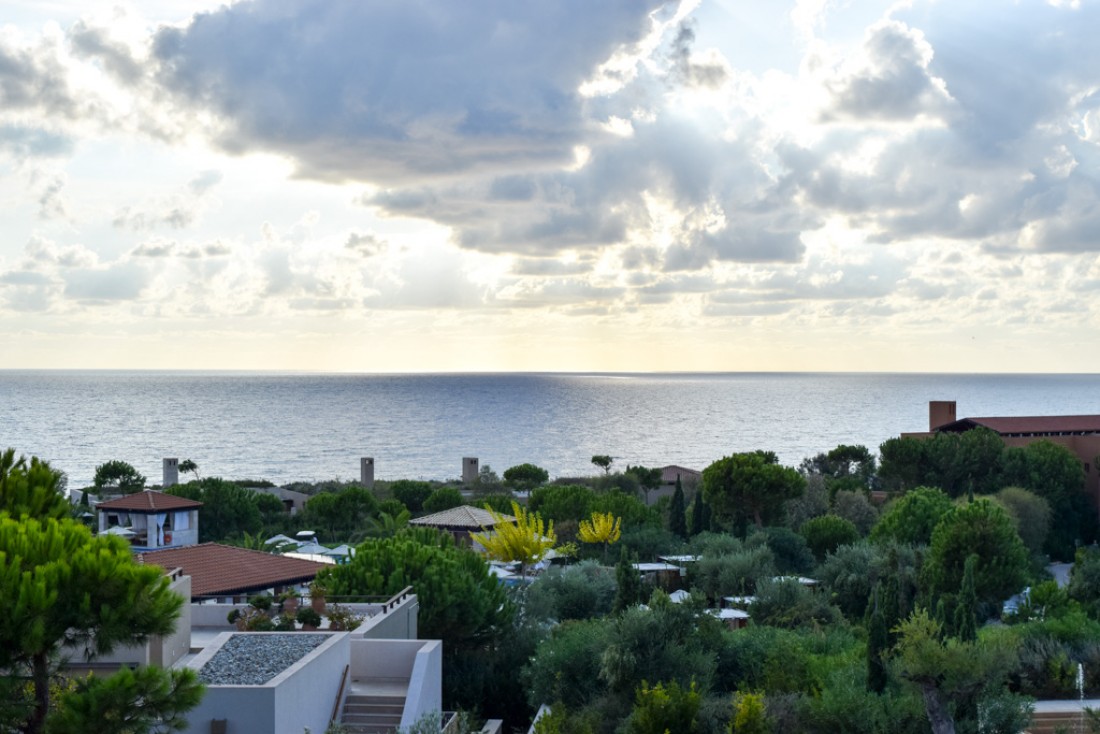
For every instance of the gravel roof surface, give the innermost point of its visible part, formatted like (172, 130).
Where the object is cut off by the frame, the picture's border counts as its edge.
(252, 660)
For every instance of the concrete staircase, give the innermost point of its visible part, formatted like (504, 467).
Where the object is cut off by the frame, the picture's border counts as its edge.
(367, 713)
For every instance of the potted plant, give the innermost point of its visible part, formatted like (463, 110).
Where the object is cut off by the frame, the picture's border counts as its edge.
(310, 618)
(317, 591)
(288, 601)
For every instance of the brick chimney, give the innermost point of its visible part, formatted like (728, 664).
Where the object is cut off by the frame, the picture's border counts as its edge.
(940, 413)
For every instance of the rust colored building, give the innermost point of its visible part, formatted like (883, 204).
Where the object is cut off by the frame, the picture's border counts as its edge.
(1078, 433)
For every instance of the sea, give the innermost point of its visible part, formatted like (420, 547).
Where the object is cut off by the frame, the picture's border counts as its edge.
(311, 427)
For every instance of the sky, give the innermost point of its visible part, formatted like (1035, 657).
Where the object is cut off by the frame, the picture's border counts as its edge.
(495, 185)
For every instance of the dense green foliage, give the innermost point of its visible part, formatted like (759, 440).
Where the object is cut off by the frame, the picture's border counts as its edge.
(30, 488)
(460, 601)
(827, 533)
(912, 517)
(525, 476)
(118, 476)
(411, 493)
(64, 587)
(444, 498)
(750, 486)
(981, 528)
(227, 510)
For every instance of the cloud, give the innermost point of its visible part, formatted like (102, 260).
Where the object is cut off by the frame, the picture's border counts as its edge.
(393, 92)
(177, 211)
(95, 43)
(890, 80)
(23, 141)
(367, 245)
(119, 282)
(34, 79)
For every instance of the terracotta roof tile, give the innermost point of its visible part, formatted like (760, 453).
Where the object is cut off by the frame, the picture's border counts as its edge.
(222, 569)
(149, 500)
(464, 516)
(1030, 424)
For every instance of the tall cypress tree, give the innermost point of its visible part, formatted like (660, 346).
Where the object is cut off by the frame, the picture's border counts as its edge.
(878, 642)
(698, 514)
(677, 512)
(629, 584)
(966, 611)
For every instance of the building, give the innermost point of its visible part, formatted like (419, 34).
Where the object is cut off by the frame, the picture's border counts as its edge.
(225, 572)
(151, 519)
(461, 521)
(1078, 433)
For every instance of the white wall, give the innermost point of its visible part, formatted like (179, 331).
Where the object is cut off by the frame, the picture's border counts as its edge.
(398, 624)
(300, 697)
(425, 684)
(383, 658)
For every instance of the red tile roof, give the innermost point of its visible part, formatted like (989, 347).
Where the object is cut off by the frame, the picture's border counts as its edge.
(149, 501)
(1044, 424)
(221, 570)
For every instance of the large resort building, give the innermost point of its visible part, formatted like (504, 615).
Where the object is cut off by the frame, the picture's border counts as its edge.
(1078, 433)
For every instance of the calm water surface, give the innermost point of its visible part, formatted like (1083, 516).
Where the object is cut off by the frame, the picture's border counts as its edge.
(290, 427)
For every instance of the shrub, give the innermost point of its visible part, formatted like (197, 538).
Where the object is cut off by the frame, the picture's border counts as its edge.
(827, 533)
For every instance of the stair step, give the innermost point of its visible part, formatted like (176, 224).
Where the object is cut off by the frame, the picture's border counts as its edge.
(365, 708)
(366, 698)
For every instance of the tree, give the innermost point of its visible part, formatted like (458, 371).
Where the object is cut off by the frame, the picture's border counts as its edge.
(525, 541)
(227, 509)
(913, 517)
(748, 714)
(947, 671)
(628, 584)
(525, 476)
(603, 461)
(1031, 514)
(411, 493)
(677, 512)
(984, 529)
(443, 498)
(561, 502)
(902, 464)
(188, 466)
(63, 587)
(124, 703)
(827, 533)
(855, 506)
(648, 479)
(340, 514)
(1054, 473)
(118, 476)
(30, 488)
(878, 644)
(700, 515)
(966, 611)
(602, 528)
(750, 486)
(662, 709)
(460, 601)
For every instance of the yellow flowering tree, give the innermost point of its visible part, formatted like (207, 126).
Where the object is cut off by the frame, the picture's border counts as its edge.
(602, 527)
(525, 541)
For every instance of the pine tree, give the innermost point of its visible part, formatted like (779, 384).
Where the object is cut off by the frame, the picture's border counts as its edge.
(677, 512)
